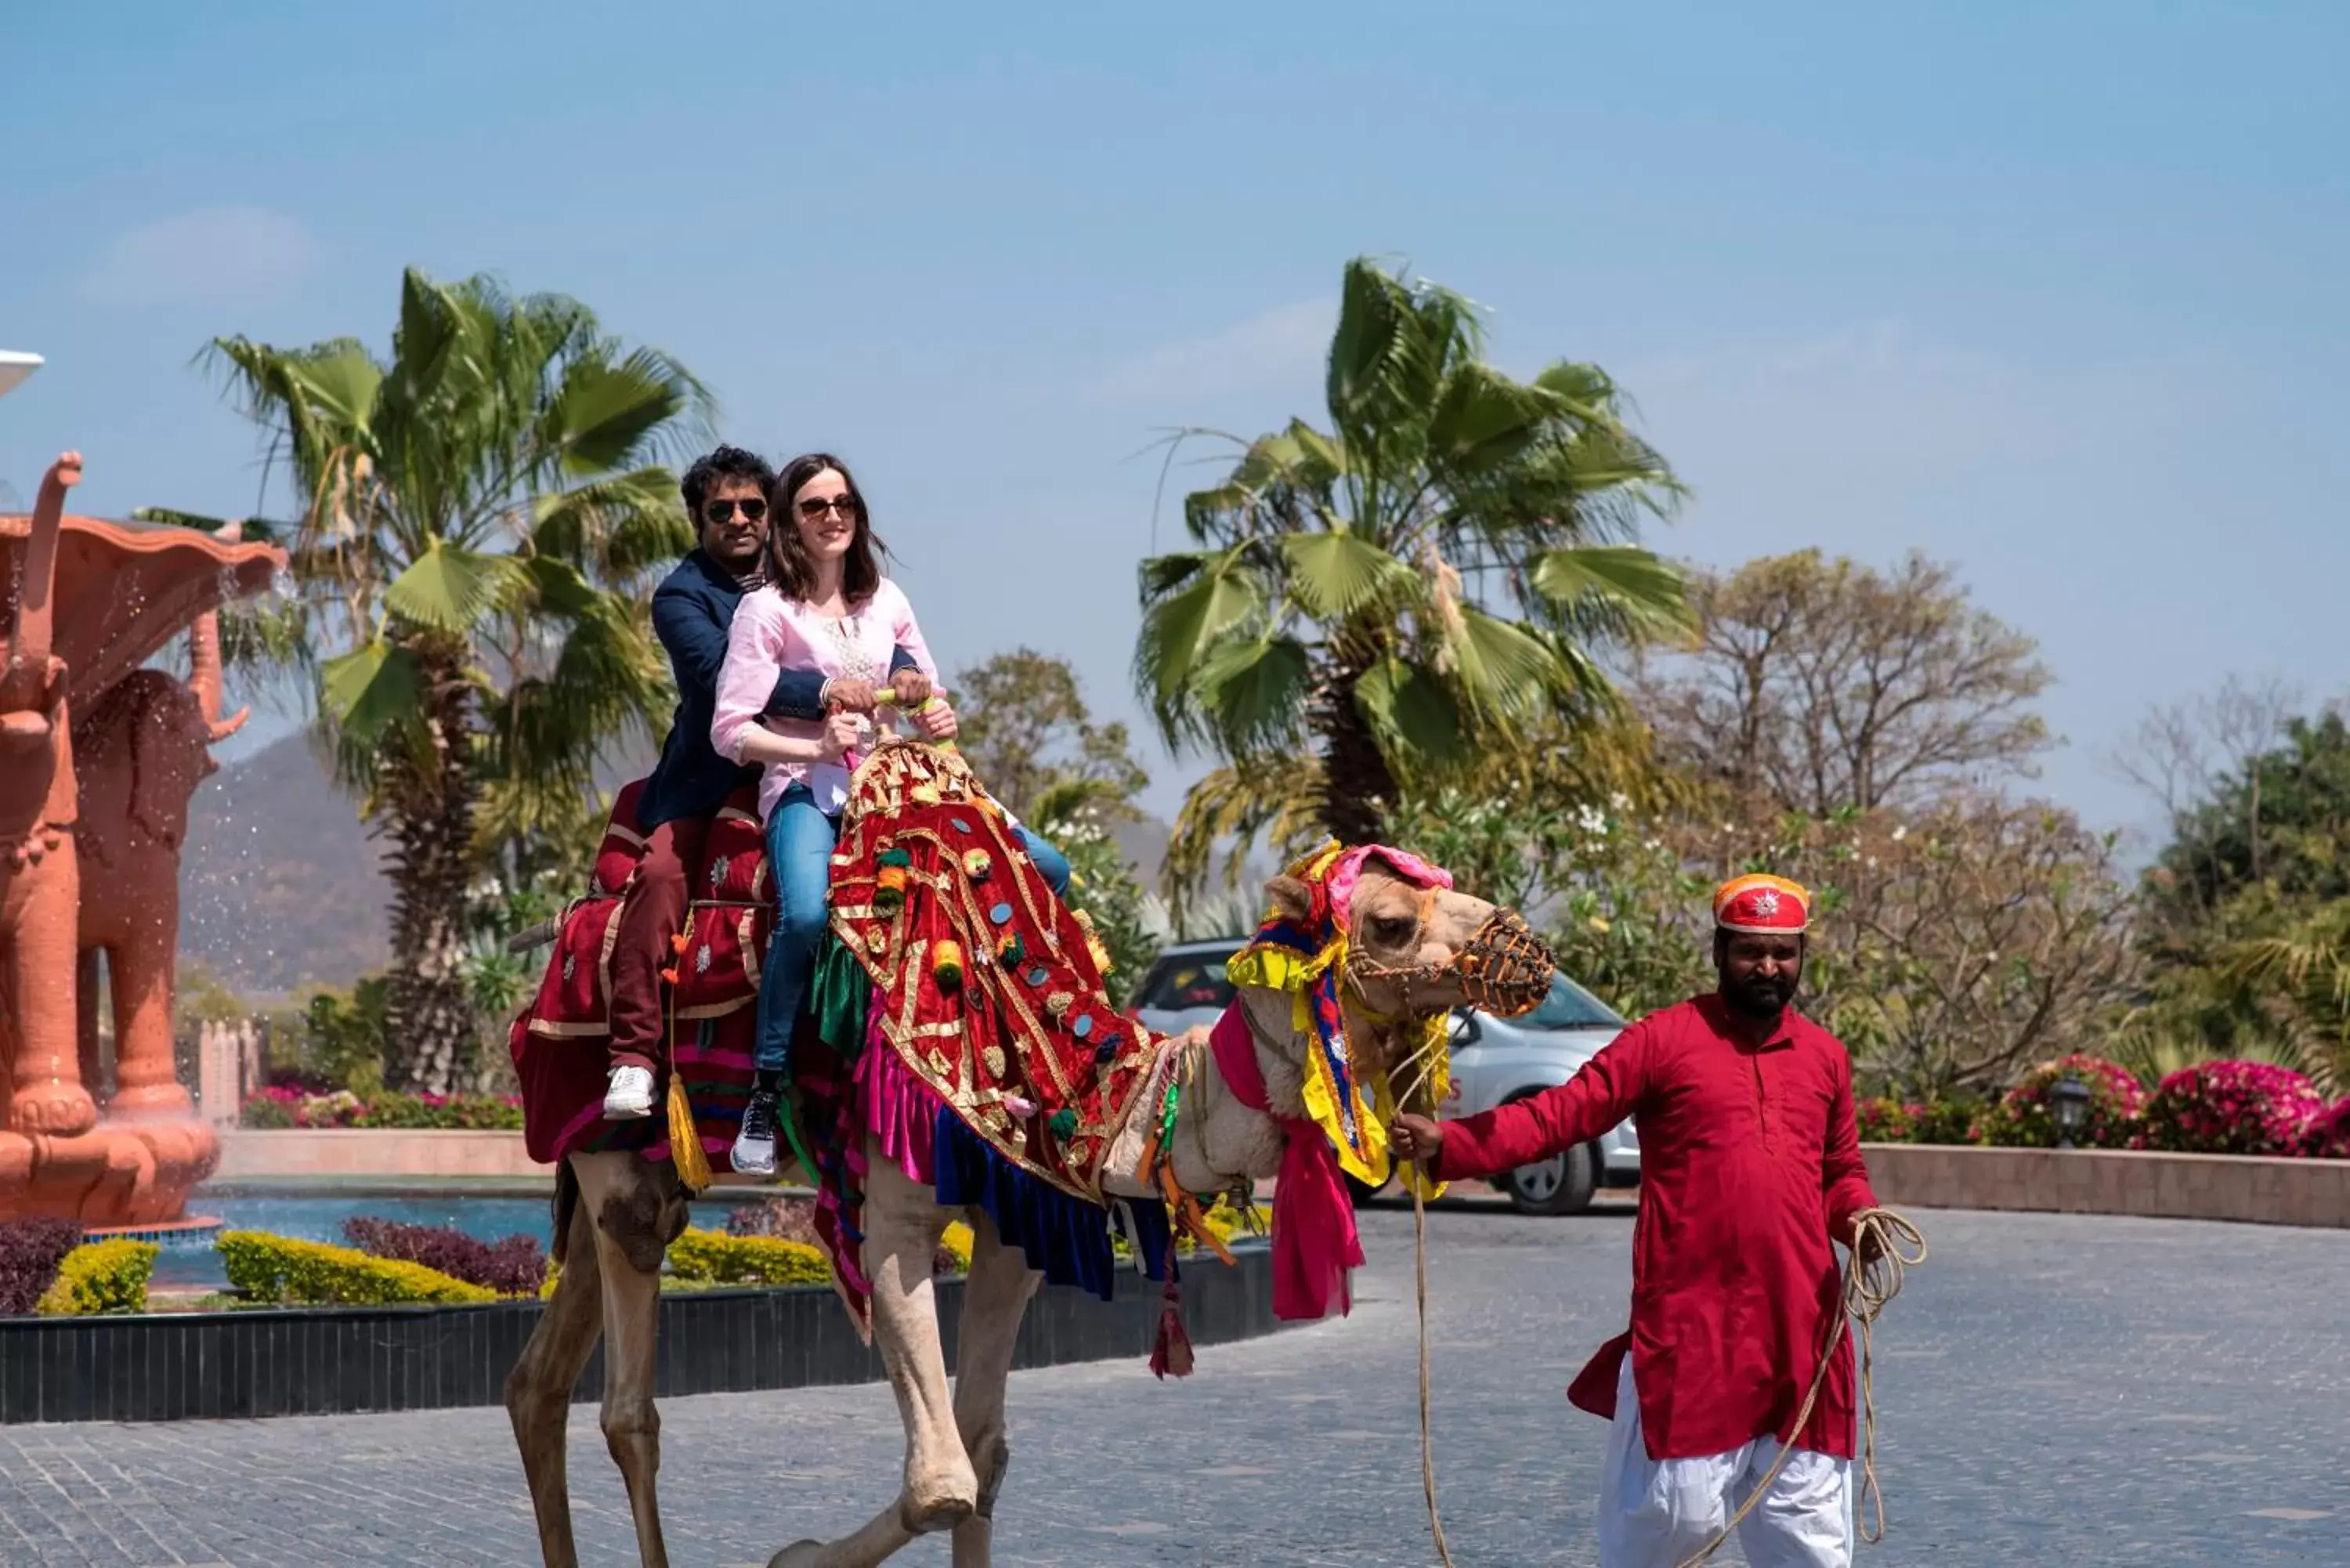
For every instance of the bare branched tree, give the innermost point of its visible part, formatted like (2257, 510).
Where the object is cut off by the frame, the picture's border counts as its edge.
(1817, 685)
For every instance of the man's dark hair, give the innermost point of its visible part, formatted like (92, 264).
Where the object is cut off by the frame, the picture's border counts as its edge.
(726, 462)
(788, 564)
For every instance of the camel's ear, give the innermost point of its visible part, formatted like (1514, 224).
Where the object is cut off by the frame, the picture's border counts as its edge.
(1292, 900)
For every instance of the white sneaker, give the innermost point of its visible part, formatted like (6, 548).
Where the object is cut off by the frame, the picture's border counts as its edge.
(754, 1145)
(630, 1097)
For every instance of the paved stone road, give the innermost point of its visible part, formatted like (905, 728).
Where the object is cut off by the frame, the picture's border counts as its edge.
(2059, 1391)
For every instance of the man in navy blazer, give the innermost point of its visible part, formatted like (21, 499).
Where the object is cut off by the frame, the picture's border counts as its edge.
(726, 495)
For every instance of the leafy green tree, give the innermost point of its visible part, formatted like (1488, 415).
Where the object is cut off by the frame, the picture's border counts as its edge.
(1453, 550)
(480, 518)
(1028, 734)
(2282, 817)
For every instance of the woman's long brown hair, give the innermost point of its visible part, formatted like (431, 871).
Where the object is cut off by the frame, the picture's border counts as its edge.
(787, 558)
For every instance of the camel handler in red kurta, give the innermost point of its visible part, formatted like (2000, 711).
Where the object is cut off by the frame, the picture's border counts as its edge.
(1749, 1168)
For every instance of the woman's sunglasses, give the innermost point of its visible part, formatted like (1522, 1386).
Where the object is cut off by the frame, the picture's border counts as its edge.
(813, 508)
(717, 512)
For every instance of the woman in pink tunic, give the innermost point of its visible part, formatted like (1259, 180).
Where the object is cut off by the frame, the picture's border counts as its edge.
(825, 607)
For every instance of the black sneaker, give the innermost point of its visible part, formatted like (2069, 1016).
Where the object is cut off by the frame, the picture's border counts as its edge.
(754, 1145)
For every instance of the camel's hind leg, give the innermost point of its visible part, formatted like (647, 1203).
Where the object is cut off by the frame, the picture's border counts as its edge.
(638, 1219)
(538, 1389)
(995, 1299)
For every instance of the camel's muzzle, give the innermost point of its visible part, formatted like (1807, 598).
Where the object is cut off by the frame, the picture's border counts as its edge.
(1502, 968)
(1505, 969)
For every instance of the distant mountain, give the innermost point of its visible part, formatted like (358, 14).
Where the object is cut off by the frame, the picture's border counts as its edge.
(281, 888)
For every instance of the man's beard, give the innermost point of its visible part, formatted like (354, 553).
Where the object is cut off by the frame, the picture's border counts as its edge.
(1760, 999)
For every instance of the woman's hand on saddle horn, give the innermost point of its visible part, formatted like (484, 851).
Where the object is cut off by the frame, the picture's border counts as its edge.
(936, 720)
(842, 732)
(1416, 1139)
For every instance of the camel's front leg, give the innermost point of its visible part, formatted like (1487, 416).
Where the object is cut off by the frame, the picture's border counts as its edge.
(902, 1225)
(995, 1298)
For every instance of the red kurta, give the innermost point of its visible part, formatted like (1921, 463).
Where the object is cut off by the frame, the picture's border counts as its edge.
(1750, 1160)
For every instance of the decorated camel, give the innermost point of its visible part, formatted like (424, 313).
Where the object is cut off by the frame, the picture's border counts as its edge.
(961, 1059)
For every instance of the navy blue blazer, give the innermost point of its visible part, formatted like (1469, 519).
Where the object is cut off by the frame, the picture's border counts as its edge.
(693, 609)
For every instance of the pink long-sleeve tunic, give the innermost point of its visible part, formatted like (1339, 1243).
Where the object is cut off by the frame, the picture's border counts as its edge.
(772, 634)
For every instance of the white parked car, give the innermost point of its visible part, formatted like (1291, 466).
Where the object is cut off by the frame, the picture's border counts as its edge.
(1494, 1061)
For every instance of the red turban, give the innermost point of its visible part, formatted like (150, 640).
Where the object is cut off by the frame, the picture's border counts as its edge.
(1761, 904)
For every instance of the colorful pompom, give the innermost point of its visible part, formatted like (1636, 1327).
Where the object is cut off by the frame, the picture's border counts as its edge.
(946, 966)
(1063, 1124)
(893, 858)
(976, 865)
(889, 888)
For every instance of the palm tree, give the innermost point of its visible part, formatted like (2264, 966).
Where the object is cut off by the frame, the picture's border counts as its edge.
(481, 516)
(1447, 557)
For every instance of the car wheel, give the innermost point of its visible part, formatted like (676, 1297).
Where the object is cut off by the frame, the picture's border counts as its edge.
(1562, 1184)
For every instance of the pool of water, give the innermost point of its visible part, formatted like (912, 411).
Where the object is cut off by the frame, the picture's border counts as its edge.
(319, 1216)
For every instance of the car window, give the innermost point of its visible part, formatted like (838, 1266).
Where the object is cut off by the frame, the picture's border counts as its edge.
(1569, 1006)
(1179, 983)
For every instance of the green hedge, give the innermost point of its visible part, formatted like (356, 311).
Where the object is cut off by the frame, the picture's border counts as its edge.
(279, 1269)
(101, 1277)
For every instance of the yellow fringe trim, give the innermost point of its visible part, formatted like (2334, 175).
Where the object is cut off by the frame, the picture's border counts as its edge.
(685, 1139)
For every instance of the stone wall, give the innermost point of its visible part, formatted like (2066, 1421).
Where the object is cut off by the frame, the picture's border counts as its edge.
(2313, 1192)
(247, 1153)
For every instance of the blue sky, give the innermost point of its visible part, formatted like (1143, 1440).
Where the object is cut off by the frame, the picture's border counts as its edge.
(2051, 292)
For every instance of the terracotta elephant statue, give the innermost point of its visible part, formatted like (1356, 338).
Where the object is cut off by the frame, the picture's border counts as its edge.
(140, 753)
(50, 1113)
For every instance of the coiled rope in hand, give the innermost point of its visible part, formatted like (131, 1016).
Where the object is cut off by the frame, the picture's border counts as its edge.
(1872, 1277)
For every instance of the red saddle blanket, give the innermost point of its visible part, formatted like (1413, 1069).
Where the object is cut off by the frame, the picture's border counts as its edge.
(560, 1040)
(986, 985)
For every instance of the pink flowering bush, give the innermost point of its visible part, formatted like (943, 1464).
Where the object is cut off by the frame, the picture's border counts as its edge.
(2328, 1137)
(2232, 1107)
(1884, 1119)
(2026, 1116)
(288, 1106)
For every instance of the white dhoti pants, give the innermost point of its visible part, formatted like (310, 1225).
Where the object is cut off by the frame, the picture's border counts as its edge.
(1656, 1513)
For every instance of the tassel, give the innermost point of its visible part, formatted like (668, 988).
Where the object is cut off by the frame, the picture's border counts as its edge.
(685, 1138)
(1171, 1354)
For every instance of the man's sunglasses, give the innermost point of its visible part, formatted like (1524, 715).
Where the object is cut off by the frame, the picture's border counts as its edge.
(717, 512)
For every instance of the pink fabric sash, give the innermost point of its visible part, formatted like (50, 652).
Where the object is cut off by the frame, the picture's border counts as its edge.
(897, 1108)
(1313, 1239)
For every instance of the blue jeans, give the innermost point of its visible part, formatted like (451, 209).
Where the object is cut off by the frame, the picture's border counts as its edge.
(800, 839)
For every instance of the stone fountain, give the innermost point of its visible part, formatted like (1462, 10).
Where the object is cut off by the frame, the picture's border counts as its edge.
(98, 757)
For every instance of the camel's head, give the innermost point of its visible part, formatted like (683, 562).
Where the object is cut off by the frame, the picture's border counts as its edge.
(1416, 947)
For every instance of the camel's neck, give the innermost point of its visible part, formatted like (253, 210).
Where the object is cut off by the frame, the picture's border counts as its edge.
(1218, 1140)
